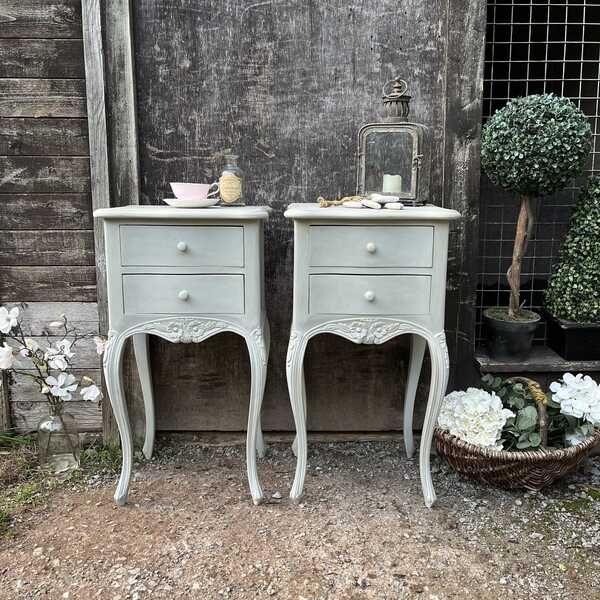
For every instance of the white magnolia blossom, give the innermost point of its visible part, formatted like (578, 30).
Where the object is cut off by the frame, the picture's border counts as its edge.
(8, 318)
(64, 347)
(100, 344)
(475, 416)
(57, 361)
(91, 392)
(58, 354)
(578, 396)
(30, 347)
(7, 358)
(62, 386)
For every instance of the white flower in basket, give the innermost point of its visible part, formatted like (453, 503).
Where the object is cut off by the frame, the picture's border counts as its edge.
(578, 396)
(475, 416)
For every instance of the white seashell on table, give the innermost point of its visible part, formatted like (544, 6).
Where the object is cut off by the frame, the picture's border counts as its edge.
(383, 198)
(394, 205)
(370, 203)
(353, 204)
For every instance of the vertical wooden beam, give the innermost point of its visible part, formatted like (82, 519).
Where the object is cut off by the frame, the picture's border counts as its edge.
(100, 184)
(464, 93)
(123, 148)
(99, 171)
(5, 421)
(121, 103)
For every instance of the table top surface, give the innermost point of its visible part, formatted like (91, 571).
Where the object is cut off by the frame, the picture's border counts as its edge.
(312, 211)
(212, 213)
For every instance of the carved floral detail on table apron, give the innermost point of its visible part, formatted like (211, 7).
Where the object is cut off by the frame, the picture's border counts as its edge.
(373, 331)
(189, 330)
(368, 331)
(185, 330)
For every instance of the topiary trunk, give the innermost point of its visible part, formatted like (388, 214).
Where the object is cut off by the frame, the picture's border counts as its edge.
(525, 225)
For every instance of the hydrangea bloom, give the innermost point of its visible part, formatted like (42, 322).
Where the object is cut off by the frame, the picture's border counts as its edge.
(475, 416)
(578, 435)
(578, 396)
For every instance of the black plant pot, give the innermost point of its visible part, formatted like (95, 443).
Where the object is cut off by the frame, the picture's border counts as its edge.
(573, 341)
(509, 340)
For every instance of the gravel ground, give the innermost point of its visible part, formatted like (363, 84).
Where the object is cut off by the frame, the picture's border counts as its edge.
(362, 531)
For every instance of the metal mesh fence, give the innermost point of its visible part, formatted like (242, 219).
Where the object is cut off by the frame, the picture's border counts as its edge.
(534, 47)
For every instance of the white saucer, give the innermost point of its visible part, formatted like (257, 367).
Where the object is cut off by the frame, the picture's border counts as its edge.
(189, 203)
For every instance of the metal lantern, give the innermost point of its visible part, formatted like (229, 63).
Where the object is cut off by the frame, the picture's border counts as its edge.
(393, 155)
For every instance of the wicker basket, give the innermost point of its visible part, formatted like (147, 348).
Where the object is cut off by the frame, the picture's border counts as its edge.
(531, 470)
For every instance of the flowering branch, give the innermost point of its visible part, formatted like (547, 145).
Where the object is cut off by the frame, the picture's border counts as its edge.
(51, 365)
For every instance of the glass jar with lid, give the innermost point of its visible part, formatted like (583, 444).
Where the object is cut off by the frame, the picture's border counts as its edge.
(231, 181)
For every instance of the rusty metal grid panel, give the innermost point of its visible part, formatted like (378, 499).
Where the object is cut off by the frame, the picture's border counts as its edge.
(534, 47)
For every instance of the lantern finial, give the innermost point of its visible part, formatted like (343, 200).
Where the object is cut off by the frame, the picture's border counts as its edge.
(397, 102)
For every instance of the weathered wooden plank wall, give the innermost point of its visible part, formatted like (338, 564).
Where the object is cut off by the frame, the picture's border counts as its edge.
(464, 91)
(287, 84)
(46, 230)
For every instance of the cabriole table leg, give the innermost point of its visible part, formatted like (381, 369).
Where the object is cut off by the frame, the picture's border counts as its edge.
(439, 381)
(142, 360)
(417, 352)
(113, 356)
(261, 448)
(258, 365)
(295, 379)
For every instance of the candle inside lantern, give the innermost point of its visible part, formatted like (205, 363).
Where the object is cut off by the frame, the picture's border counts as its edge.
(392, 184)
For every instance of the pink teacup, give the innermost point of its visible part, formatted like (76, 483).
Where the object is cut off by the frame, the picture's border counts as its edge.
(194, 195)
(194, 191)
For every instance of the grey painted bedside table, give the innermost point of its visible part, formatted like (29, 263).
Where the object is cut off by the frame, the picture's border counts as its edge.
(183, 275)
(370, 275)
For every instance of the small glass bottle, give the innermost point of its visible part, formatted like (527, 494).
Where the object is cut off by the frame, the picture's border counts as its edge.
(231, 181)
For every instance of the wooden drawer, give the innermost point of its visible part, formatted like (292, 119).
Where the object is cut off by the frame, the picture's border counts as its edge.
(370, 294)
(182, 246)
(178, 294)
(371, 246)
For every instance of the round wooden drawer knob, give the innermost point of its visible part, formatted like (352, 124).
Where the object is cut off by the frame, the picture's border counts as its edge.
(183, 295)
(182, 246)
(371, 248)
(369, 296)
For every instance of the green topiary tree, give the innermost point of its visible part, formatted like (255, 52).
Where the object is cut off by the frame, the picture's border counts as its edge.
(573, 291)
(533, 146)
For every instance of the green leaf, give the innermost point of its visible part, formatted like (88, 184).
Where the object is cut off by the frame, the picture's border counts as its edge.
(527, 418)
(535, 438)
(516, 401)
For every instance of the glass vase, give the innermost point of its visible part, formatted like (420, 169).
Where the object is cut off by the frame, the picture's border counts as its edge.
(58, 440)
